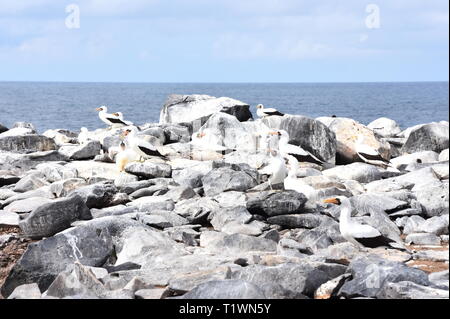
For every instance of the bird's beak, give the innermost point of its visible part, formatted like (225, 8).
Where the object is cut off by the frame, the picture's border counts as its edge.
(116, 114)
(331, 201)
(125, 133)
(98, 109)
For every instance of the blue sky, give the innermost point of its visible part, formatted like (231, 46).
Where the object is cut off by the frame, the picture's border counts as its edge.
(224, 41)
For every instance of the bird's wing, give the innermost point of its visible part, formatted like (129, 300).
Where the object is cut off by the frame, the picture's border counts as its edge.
(365, 149)
(363, 231)
(293, 149)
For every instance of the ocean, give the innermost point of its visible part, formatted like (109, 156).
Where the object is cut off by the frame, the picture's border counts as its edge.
(72, 105)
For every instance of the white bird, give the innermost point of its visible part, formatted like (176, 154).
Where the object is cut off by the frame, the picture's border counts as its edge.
(276, 169)
(299, 153)
(370, 155)
(139, 145)
(125, 156)
(263, 112)
(110, 119)
(291, 182)
(207, 141)
(361, 235)
(83, 137)
(119, 115)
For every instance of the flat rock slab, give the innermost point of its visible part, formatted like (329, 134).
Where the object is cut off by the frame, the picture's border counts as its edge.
(9, 219)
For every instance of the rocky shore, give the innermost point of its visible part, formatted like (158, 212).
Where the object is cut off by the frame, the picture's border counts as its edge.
(202, 224)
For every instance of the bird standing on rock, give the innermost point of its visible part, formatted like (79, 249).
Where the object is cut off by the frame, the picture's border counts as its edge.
(276, 169)
(143, 148)
(263, 112)
(361, 235)
(112, 120)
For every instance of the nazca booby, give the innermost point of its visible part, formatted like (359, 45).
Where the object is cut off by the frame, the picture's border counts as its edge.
(291, 182)
(119, 115)
(370, 155)
(263, 112)
(361, 235)
(143, 148)
(276, 169)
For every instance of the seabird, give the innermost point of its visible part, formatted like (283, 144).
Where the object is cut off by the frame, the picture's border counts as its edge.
(263, 112)
(361, 235)
(83, 137)
(125, 156)
(276, 169)
(291, 182)
(141, 146)
(206, 141)
(299, 153)
(370, 155)
(119, 115)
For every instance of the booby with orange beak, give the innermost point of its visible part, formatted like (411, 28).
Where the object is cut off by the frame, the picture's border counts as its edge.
(370, 155)
(119, 116)
(206, 141)
(139, 145)
(361, 235)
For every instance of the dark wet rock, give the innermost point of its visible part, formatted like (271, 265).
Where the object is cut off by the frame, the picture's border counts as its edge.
(98, 195)
(149, 170)
(53, 217)
(276, 203)
(296, 221)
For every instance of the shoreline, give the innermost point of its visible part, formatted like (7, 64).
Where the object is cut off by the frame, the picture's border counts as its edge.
(205, 222)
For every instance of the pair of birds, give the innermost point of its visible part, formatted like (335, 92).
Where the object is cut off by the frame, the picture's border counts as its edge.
(112, 119)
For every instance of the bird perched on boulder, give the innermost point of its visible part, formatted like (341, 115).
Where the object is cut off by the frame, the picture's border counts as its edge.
(263, 112)
(360, 234)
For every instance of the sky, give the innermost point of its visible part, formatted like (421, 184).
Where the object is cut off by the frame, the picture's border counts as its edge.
(224, 40)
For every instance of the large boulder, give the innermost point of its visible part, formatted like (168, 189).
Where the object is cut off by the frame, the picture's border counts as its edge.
(347, 132)
(149, 170)
(385, 127)
(27, 143)
(3, 128)
(429, 137)
(361, 172)
(225, 289)
(189, 108)
(276, 203)
(51, 218)
(370, 274)
(82, 152)
(98, 195)
(312, 135)
(91, 245)
(225, 179)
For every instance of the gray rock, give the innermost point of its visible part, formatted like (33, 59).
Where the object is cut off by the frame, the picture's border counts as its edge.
(8, 179)
(129, 188)
(149, 170)
(368, 203)
(312, 135)
(225, 289)
(189, 108)
(152, 203)
(51, 218)
(235, 243)
(150, 191)
(231, 199)
(154, 293)
(91, 245)
(3, 128)
(429, 137)
(296, 221)
(30, 291)
(440, 279)
(27, 205)
(97, 195)
(432, 255)
(413, 225)
(186, 282)
(30, 182)
(297, 279)
(370, 274)
(82, 152)
(64, 187)
(411, 290)
(361, 172)
(227, 179)
(162, 219)
(18, 164)
(418, 157)
(434, 198)
(437, 225)
(220, 218)
(112, 211)
(423, 239)
(180, 193)
(276, 203)
(385, 127)
(188, 177)
(27, 143)
(197, 210)
(184, 234)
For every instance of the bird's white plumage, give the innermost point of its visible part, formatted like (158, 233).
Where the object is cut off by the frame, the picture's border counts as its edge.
(276, 169)
(291, 182)
(287, 149)
(136, 142)
(120, 116)
(206, 141)
(262, 112)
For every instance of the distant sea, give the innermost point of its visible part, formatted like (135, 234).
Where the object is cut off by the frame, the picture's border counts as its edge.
(72, 105)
